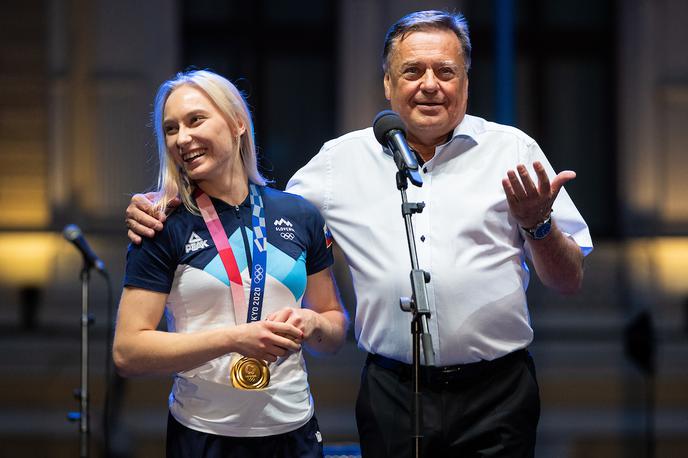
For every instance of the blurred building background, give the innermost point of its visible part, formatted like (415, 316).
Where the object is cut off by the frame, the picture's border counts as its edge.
(602, 85)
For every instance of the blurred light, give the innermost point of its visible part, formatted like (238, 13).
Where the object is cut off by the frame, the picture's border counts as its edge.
(27, 258)
(661, 262)
(672, 264)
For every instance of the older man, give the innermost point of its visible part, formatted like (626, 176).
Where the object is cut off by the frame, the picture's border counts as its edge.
(490, 204)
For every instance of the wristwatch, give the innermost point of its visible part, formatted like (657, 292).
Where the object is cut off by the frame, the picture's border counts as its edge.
(540, 230)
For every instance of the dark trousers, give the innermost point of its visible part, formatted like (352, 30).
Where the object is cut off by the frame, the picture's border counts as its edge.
(490, 409)
(183, 442)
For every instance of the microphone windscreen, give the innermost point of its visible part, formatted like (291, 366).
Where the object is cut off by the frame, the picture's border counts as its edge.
(384, 122)
(71, 232)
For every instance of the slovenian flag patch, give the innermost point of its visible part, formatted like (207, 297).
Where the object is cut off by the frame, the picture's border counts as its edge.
(328, 236)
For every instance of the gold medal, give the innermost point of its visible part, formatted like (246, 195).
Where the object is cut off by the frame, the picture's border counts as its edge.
(249, 374)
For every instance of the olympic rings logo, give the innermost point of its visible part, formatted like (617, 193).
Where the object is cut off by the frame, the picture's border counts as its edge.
(287, 235)
(258, 273)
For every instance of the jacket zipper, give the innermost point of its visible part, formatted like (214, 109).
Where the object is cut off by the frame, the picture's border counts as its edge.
(237, 213)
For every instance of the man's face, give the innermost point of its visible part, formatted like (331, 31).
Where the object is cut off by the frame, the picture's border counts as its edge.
(426, 83)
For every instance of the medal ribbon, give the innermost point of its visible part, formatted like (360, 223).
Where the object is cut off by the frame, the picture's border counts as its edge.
(259, 264)
(260, 254)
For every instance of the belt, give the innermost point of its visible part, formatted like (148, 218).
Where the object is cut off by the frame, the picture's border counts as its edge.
(447, 374)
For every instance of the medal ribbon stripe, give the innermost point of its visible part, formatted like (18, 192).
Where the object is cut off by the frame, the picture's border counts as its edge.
(219, 236)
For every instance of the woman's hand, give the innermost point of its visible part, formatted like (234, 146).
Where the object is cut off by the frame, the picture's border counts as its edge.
(266, 340)
(323, 321)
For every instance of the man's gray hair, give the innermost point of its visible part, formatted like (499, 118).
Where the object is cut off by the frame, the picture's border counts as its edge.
(428, 20)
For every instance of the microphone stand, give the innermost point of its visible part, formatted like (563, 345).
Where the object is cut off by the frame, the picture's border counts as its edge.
(82, 394)
(418, 306)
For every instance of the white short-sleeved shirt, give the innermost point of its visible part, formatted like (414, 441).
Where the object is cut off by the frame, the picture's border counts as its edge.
(465, 237)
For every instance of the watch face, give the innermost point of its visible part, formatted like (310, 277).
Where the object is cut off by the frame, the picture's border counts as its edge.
(542, 230)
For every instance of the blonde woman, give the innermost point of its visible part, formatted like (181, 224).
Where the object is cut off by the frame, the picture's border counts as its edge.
(242, 274)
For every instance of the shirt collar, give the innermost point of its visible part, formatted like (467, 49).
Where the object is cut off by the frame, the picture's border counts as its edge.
(464, 137)
(222, 205)
(465, 134)
(468, 128)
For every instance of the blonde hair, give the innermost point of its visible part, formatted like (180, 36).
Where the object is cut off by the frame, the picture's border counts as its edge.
(172, 180)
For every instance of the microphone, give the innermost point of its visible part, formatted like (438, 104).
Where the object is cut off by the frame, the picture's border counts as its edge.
(390, 131)
(73, 234)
